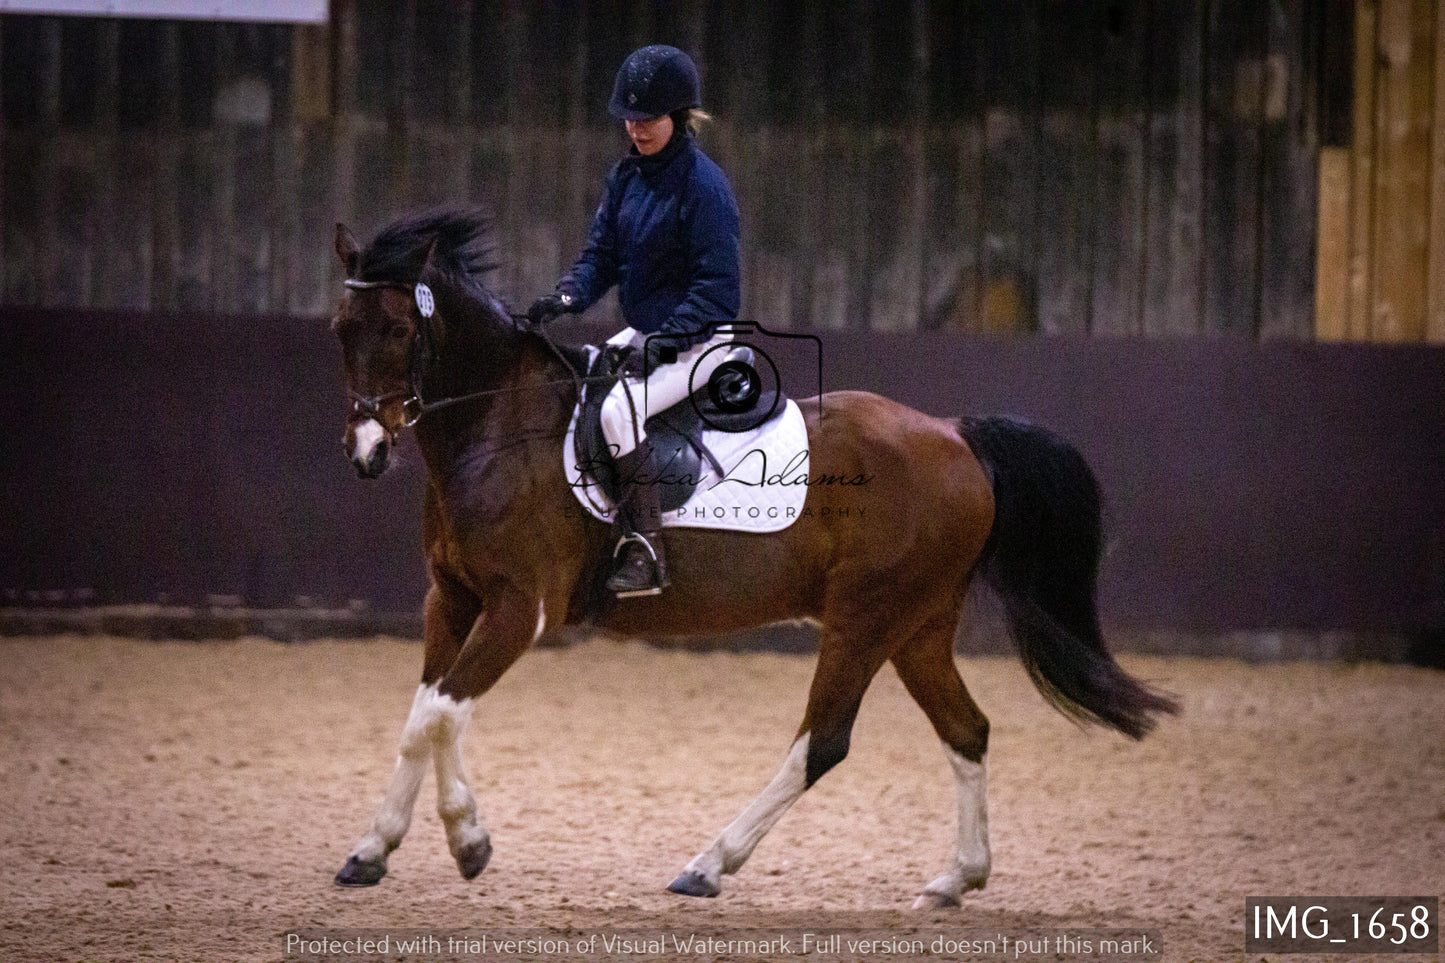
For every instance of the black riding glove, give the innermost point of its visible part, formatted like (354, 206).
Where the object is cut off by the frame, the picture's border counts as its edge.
(548, 306)
(625, 360)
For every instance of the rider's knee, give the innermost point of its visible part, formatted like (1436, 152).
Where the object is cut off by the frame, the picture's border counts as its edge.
(617, 422)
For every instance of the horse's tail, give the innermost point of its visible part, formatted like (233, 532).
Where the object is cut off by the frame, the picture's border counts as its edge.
(1042, 558)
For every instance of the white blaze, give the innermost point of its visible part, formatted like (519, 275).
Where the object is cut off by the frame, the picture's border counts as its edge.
(367, 434)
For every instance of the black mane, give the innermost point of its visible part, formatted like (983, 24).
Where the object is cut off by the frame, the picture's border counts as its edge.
(463, 252)
(463, 256)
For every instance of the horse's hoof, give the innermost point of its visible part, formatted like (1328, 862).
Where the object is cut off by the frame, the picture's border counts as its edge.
(935, 901)
(359, 873)
(694, 884)
(472, 860)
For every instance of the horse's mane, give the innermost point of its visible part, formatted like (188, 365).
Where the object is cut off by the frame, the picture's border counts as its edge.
(462, 255)
(463, 251)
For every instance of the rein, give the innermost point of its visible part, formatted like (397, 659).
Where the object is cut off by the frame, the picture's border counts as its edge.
(413, 405)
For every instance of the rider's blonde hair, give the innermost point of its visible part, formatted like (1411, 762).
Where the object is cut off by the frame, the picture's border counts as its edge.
(696, 117)
(691, 117)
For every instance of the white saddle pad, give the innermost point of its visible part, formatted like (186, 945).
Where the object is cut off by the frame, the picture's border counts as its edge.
(762, 488)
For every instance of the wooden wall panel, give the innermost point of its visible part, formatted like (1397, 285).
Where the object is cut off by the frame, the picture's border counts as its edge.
(1435, 285)
(197, 180)
(1119, 155)
(1008, 257)
(1394, 223)
(1362, 184)
(1059, 166)
(1289, 188)
(4, 284)
(1397, 310)
(955, 172)
(1236, 88)
(1332, 272)
(1068, 87)
(1172, 222)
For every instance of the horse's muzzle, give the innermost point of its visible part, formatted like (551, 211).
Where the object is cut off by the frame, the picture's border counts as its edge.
(369, 446)
(375, 463)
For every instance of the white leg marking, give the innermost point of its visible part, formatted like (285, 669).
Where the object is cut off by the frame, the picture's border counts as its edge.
(367, 434)
(394, 817)
(730, 850)
(541, 620)
(972, 862)
(456, 805)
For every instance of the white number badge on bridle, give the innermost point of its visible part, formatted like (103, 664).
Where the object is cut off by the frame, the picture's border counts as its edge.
(424, 301)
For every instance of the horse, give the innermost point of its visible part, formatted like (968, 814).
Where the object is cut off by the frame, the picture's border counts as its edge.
(947, 502)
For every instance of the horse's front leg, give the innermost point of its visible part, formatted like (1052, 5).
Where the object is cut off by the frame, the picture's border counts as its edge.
(513, 619)
(450, 614)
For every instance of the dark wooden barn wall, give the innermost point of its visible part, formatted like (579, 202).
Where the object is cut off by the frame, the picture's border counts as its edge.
(1065, 166)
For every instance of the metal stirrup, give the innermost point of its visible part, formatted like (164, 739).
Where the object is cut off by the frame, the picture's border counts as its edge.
(639, 538)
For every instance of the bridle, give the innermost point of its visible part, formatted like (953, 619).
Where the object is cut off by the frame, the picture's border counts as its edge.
(413, 405)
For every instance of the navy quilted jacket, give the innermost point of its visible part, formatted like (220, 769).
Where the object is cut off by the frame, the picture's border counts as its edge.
(666, 233)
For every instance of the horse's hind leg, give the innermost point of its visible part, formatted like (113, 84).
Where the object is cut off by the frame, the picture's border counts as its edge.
(449, 616)
(925, 664)
(843, 673)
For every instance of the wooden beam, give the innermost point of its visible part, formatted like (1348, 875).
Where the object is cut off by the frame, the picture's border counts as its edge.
(110, 233)
(1009, 259)
(1120, 177)
(1397, 309)
(5, 202)
(342, 192)
(1435, 284)
(290, 96)
(1362, 172)
(1066, 181)
(915, 222)
(1289, 189)
(1332, 263)
(165, 146)
(1235, 90)
(1173, 168)
(49, 260)
(222, 157)
(310, 73)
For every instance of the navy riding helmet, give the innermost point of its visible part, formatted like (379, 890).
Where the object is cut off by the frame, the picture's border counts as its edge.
(653, 81)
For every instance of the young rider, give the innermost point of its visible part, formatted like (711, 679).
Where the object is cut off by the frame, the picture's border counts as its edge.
(666, 233)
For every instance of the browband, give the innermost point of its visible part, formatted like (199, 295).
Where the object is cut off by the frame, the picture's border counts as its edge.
(366, 285)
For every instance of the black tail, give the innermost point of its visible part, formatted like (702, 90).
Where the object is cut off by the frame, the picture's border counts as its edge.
(1042, 558)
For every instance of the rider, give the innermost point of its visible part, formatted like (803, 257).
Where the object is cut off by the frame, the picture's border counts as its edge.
(666, 233)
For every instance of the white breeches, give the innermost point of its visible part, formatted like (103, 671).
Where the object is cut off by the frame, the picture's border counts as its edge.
(664, 387)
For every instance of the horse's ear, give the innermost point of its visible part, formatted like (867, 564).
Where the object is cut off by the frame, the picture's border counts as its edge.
(431, 250)
(347, 250)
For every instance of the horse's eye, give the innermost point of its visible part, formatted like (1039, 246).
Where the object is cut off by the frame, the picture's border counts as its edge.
(400, 331)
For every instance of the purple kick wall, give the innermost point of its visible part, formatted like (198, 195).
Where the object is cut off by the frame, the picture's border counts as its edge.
(1250, 487)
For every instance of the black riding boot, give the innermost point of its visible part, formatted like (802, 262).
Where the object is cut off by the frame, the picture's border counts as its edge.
(640, 564)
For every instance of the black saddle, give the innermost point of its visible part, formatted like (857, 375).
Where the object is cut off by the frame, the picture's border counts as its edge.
(674, 436)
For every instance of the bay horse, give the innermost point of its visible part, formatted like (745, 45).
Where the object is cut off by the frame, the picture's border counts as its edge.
(948, 501)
